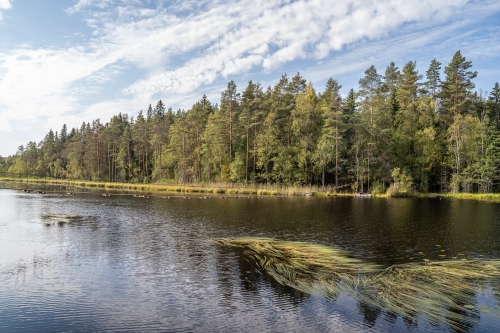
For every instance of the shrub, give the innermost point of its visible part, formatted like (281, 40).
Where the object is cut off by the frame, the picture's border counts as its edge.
(378, 188)
(403, 183)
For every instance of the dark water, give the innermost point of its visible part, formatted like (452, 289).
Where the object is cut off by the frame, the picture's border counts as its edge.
(123, 264)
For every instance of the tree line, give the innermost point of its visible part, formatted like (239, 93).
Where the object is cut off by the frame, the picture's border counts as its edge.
(440, 133)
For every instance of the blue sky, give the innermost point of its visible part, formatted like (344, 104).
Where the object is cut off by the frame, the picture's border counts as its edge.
(74, 61)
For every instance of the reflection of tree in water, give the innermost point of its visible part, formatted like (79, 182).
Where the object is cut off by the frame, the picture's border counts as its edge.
(252, 278)
(440, 293)
(294, 297)
(225, 263)
(467, 325)
(240, 278)
(410, 323)
(249, 275)
(390, 317)
(369, 313)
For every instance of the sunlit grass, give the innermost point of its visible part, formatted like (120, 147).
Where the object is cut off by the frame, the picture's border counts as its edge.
(492, 197)
(215, 187)
(443, 291)
(235, 188)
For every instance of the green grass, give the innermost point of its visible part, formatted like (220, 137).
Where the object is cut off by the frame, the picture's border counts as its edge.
(233, 188)
(215, 188)
(491, 197)
(442, 291)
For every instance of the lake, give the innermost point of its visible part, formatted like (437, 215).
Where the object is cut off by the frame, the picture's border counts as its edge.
(119, 263)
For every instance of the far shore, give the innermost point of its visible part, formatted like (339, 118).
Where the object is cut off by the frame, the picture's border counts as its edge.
(231, 188)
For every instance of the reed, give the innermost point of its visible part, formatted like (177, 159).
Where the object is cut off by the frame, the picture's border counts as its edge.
(491, 197)
(443, 291)
(235, 188)
(216, 188)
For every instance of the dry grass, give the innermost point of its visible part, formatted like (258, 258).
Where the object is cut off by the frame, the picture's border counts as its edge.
(216, 188)
(491, 197)
(442, 291)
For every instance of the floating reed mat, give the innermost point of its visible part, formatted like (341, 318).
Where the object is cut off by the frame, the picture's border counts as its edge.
(444, 291)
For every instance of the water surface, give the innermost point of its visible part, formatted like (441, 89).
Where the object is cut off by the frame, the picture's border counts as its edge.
(93, 263)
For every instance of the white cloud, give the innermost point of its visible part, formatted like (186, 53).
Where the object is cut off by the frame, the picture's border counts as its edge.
(81, 4)
(297, 30)
(5, 126)
(42, 82)
(4, 4)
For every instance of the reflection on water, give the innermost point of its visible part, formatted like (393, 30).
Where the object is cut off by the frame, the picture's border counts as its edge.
(126, 264)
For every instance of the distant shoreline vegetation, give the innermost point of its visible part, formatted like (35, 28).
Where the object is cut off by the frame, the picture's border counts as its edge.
(398, 134)
(232, 189)
(206, 188)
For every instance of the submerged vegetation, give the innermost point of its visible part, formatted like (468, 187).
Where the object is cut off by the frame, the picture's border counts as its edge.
(443, 291)
(441, 134)
(49, 219)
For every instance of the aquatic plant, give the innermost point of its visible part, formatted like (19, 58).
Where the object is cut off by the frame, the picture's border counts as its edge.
(443, 291)
(49, 219)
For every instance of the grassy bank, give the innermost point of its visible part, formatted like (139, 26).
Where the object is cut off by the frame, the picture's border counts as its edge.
(491, 197)
(206, 188)
(232, 188)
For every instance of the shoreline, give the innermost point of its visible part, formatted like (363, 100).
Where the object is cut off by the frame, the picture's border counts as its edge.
(215, 188)
(228, 188)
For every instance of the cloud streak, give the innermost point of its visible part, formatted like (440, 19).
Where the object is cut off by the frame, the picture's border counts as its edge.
(268, 34)
(82, 4)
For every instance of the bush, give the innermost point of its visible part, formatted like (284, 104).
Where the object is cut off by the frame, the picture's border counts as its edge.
(403, 183)
(378, 188)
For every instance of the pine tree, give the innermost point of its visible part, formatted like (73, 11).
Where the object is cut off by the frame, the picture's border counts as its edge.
(250, 107)
(305, 118)
(407, 117)
(230, 108)
(349, 112)
(214, 147)
(391, 77)
(456, 88)
(140, 137)
(493, 106)
(369, 89)
(433, 79)
(330, 139)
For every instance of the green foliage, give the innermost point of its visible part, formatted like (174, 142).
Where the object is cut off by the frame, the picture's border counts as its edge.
(441, 133)
(456, 88)
(402, 185)
(433, 78)
(378, 188)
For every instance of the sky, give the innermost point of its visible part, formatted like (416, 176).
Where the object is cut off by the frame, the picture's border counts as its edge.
(66, 62)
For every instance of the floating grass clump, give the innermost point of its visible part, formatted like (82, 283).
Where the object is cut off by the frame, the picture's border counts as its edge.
(49, 219)
(443, 291)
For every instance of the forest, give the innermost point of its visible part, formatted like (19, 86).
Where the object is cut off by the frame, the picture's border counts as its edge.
(434, 134)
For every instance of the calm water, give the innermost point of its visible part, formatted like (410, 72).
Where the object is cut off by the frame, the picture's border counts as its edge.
(133, 265)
